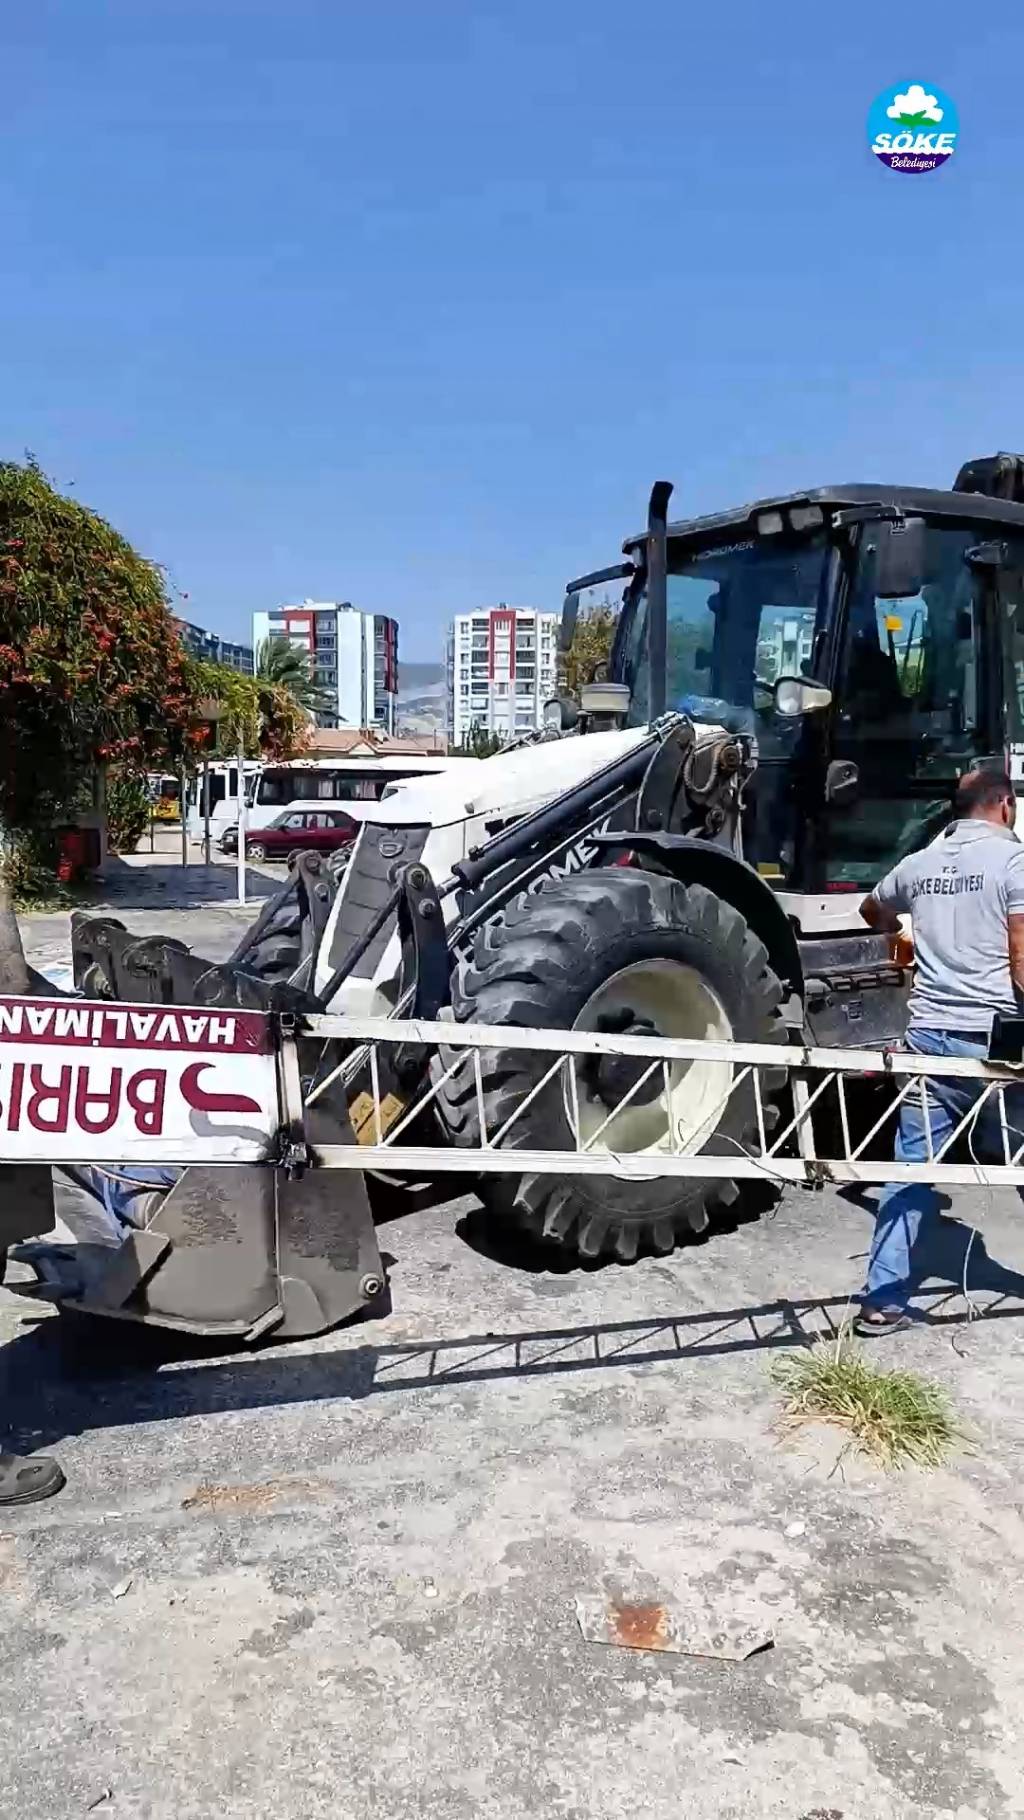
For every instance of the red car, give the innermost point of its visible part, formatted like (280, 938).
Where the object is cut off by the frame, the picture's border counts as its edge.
(316, 830)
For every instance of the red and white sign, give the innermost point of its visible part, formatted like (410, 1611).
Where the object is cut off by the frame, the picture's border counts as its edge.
(99, 1082)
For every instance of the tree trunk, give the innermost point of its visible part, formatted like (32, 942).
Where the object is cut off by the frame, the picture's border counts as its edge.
(14, 975)
(26, 1189)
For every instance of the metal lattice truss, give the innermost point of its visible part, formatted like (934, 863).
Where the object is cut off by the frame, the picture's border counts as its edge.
(806, 1134)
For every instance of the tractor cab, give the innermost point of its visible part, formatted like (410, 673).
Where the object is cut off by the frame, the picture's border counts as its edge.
(868, 639)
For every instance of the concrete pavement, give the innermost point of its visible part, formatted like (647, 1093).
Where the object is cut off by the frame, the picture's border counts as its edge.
(353, 1562)
(153, 893)
(339, 1577)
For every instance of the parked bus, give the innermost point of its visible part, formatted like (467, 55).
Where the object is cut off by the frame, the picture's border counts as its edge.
(223, 787)
(165, 795)
(358, 783)
(271, 789)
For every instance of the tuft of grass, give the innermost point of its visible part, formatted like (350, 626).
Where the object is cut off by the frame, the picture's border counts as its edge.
(894, 1417)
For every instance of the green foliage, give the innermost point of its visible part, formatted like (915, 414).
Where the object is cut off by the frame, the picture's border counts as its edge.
(591, 648)
(284, 665)
(262, 717)
(91, 666)
(128, 809)
(93, 672)
(28, 870)
(895, 1417)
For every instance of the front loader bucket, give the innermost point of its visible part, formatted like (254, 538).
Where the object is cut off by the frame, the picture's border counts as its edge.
(245, 1250)
(249, 1251)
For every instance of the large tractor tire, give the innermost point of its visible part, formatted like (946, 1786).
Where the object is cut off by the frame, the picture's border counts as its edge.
(283, 941)
(619, 950)
(279, 948)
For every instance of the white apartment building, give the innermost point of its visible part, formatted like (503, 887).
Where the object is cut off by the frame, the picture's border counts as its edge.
(354, 657)
(501, 669)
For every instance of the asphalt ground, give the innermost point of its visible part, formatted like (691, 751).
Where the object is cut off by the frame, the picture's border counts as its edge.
(340, 1577)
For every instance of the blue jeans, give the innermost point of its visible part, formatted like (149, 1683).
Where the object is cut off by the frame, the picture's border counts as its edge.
(906, 1210)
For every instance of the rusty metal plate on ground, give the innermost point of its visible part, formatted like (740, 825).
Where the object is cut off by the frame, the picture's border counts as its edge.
(670, 1627)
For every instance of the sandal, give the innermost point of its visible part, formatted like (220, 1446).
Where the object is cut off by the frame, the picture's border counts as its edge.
(880, 1320)
(27, 1481)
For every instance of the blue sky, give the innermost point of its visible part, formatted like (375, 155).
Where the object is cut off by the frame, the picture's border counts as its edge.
(408, 304)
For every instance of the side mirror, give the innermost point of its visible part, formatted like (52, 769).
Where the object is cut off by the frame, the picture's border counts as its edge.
(796, 695)
(702, 658)
(986, 556)
(899, 558)
(842, 782)
(560, 714)
(570, 614)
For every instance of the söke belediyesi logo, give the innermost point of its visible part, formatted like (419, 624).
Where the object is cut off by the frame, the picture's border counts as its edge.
(913, 127)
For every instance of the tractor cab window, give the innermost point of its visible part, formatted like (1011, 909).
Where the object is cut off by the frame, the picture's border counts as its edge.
(913, 708)
(738, 618)
(910, 666)
(1011, 621)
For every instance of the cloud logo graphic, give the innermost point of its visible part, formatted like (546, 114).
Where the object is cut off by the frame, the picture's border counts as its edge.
(916, 107)
(913, 127)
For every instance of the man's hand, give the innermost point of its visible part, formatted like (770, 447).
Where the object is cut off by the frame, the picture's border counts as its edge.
(887, 922)
(1015, 928)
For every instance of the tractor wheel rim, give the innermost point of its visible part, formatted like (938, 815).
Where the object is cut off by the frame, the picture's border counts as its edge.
(678, 1002)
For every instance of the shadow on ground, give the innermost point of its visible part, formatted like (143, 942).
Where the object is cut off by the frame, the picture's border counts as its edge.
(503, 1243)
(171, 887)
(73, 1373)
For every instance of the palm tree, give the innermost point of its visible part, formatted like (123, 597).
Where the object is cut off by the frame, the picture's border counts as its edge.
(279, 661)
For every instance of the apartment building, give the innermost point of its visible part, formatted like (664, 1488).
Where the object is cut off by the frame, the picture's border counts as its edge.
(354, 657)
(213, 648)
(501, 668)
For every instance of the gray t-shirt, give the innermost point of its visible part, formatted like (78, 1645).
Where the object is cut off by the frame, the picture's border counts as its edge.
(959, 893)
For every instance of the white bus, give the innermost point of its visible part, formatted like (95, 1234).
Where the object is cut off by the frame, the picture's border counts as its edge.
(274, 789)
(223, 787)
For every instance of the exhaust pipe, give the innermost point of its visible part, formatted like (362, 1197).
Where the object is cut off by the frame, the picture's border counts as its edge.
(657, 596)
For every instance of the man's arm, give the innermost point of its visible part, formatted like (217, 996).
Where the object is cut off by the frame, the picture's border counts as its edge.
(886, 920)
(885, 905)
(1015, 928)
(1015, 923)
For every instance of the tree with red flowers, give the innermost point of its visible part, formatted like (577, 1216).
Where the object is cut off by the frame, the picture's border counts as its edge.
(92, 668)
(91, 665)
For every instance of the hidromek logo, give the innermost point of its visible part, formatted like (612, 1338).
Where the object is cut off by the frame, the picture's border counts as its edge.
(913, 127)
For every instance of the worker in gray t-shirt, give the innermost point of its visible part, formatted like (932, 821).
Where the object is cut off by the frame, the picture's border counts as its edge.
(965, 897)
